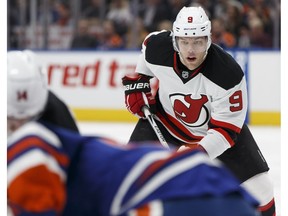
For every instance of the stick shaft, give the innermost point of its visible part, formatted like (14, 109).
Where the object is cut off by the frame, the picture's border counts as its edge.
(155, 127)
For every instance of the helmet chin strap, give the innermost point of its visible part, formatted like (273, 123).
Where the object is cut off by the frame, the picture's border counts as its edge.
(208, 46)
(204, 57)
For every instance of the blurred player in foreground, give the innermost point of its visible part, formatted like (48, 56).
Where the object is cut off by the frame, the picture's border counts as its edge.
(201, 101)
(53, 171)
(55, 110)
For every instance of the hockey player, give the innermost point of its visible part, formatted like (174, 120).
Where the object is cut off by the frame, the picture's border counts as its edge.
(54, 171)
(201, 100)
(55, 111)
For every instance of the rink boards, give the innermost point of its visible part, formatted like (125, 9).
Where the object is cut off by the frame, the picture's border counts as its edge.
(90, 82)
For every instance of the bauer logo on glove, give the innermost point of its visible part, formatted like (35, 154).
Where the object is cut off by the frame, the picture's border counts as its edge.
(136, 89)
(137, 86)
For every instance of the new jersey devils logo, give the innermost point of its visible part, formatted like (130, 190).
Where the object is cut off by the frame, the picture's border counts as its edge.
(190, 110)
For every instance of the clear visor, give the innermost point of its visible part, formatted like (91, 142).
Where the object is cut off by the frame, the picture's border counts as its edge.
(192, 44)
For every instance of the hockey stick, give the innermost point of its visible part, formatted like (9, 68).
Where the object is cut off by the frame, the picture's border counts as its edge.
(155, 127)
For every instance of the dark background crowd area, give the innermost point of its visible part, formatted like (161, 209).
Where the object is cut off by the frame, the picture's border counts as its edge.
(123, 24)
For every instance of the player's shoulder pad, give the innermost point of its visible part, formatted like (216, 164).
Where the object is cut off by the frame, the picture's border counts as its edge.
(152, 36)
(158, 48)
(35, 129)
(221, 68)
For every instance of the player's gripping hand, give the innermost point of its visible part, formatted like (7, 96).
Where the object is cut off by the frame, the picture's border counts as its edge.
(192, 146)
(136, 89)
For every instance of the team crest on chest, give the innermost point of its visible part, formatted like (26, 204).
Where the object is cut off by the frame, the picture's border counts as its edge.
(190, 109)
(185, 74)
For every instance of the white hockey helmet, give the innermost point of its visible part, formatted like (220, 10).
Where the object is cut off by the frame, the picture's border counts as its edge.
(27, 90)
(191, 22)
